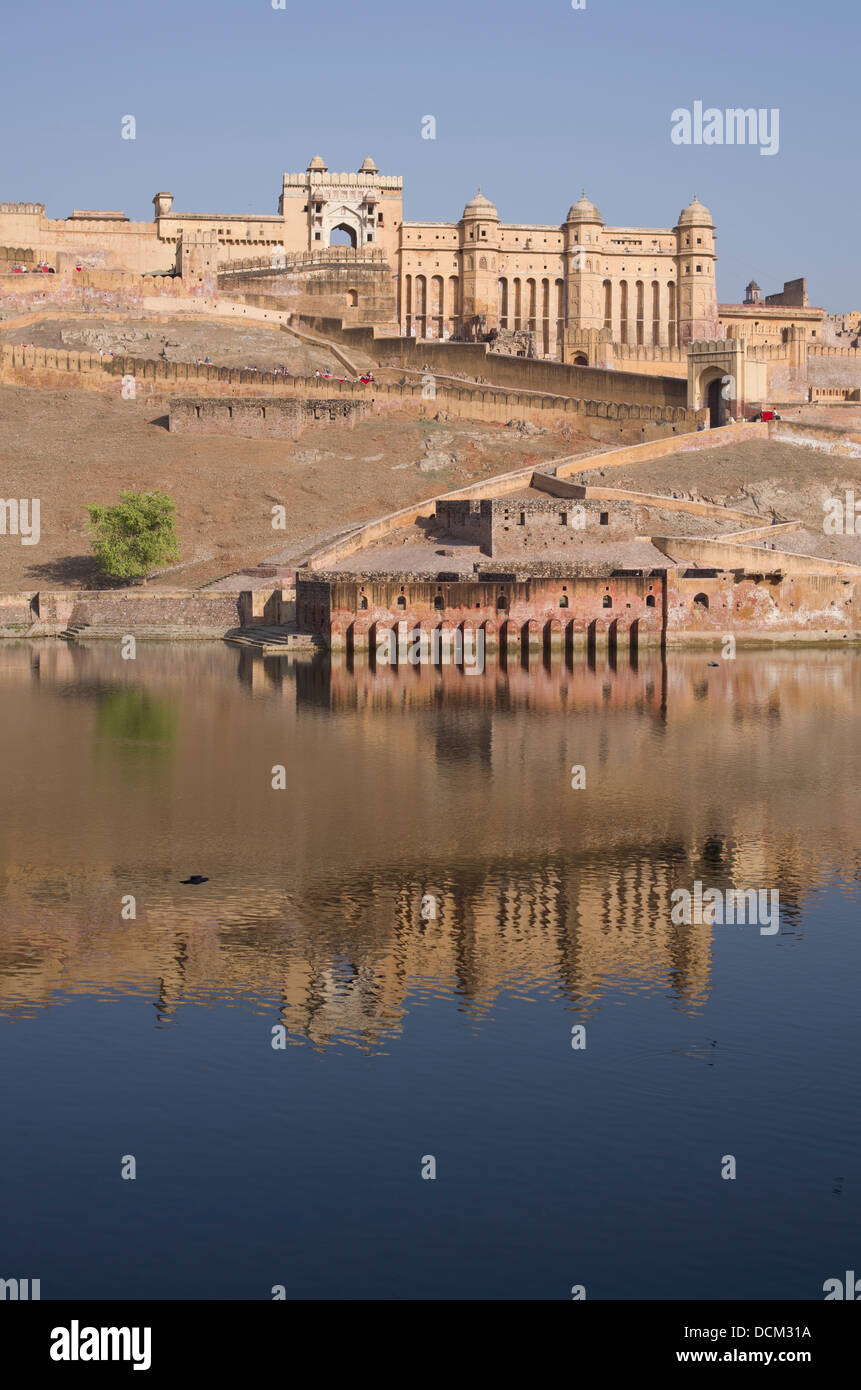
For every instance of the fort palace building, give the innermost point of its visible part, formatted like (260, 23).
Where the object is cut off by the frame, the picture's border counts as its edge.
(562, 288)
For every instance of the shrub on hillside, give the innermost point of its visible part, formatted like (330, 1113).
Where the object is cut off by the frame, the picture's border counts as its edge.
(136, 535)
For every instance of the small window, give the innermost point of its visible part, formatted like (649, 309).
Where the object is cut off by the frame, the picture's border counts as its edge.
(563, 518)
(605, 518)
(522, 518)
(402, 603)
(607, 601)
(364, 602)
(439, 602)
(502, 602)
(563, 602)
(650, 600)
(316, 236)
(701, 600)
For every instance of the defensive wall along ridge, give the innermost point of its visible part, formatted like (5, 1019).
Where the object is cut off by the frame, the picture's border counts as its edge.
(729, 553)
(94, 290)
(602, 420)
(369, 532)
(636, 375)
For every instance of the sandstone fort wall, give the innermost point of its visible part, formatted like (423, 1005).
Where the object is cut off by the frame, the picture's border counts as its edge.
(477, 361)
(270, 419)
(603, 420)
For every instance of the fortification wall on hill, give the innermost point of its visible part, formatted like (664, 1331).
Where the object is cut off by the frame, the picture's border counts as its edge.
(475, 360)
(834, 367)
(92, 291)
(506, 483)
(602, 420)
(262, 419)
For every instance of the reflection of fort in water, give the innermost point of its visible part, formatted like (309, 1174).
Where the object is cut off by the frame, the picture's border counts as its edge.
(403, 783)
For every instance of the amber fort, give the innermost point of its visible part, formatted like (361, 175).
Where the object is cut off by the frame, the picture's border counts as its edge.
(609, 337)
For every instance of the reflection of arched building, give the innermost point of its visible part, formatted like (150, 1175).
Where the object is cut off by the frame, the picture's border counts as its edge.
(313, 912)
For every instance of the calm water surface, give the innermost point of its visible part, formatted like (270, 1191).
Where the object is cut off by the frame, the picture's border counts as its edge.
(407, 1036)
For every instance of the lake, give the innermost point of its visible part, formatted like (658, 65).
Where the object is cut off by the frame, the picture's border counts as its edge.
(443, 943)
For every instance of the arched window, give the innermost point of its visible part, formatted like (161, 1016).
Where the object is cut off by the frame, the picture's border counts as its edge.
(607, 601)
(402, 603)
(563, 602)
(608, 304)
(364, 602)
(650, 600)
(502, 602)
(453, 305)
(439, 602)
(421, 305)
(408, 302)
(701, 600)
(437, 307)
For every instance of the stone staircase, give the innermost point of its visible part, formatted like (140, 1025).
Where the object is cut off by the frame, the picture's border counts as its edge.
(73, 631)
(276, 641)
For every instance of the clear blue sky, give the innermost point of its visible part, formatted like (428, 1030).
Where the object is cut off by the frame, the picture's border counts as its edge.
(532, 100)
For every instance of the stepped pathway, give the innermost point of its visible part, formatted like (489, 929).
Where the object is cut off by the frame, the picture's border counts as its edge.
(276, 641)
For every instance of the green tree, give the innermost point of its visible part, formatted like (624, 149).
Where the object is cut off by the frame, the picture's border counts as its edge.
(136, 535)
